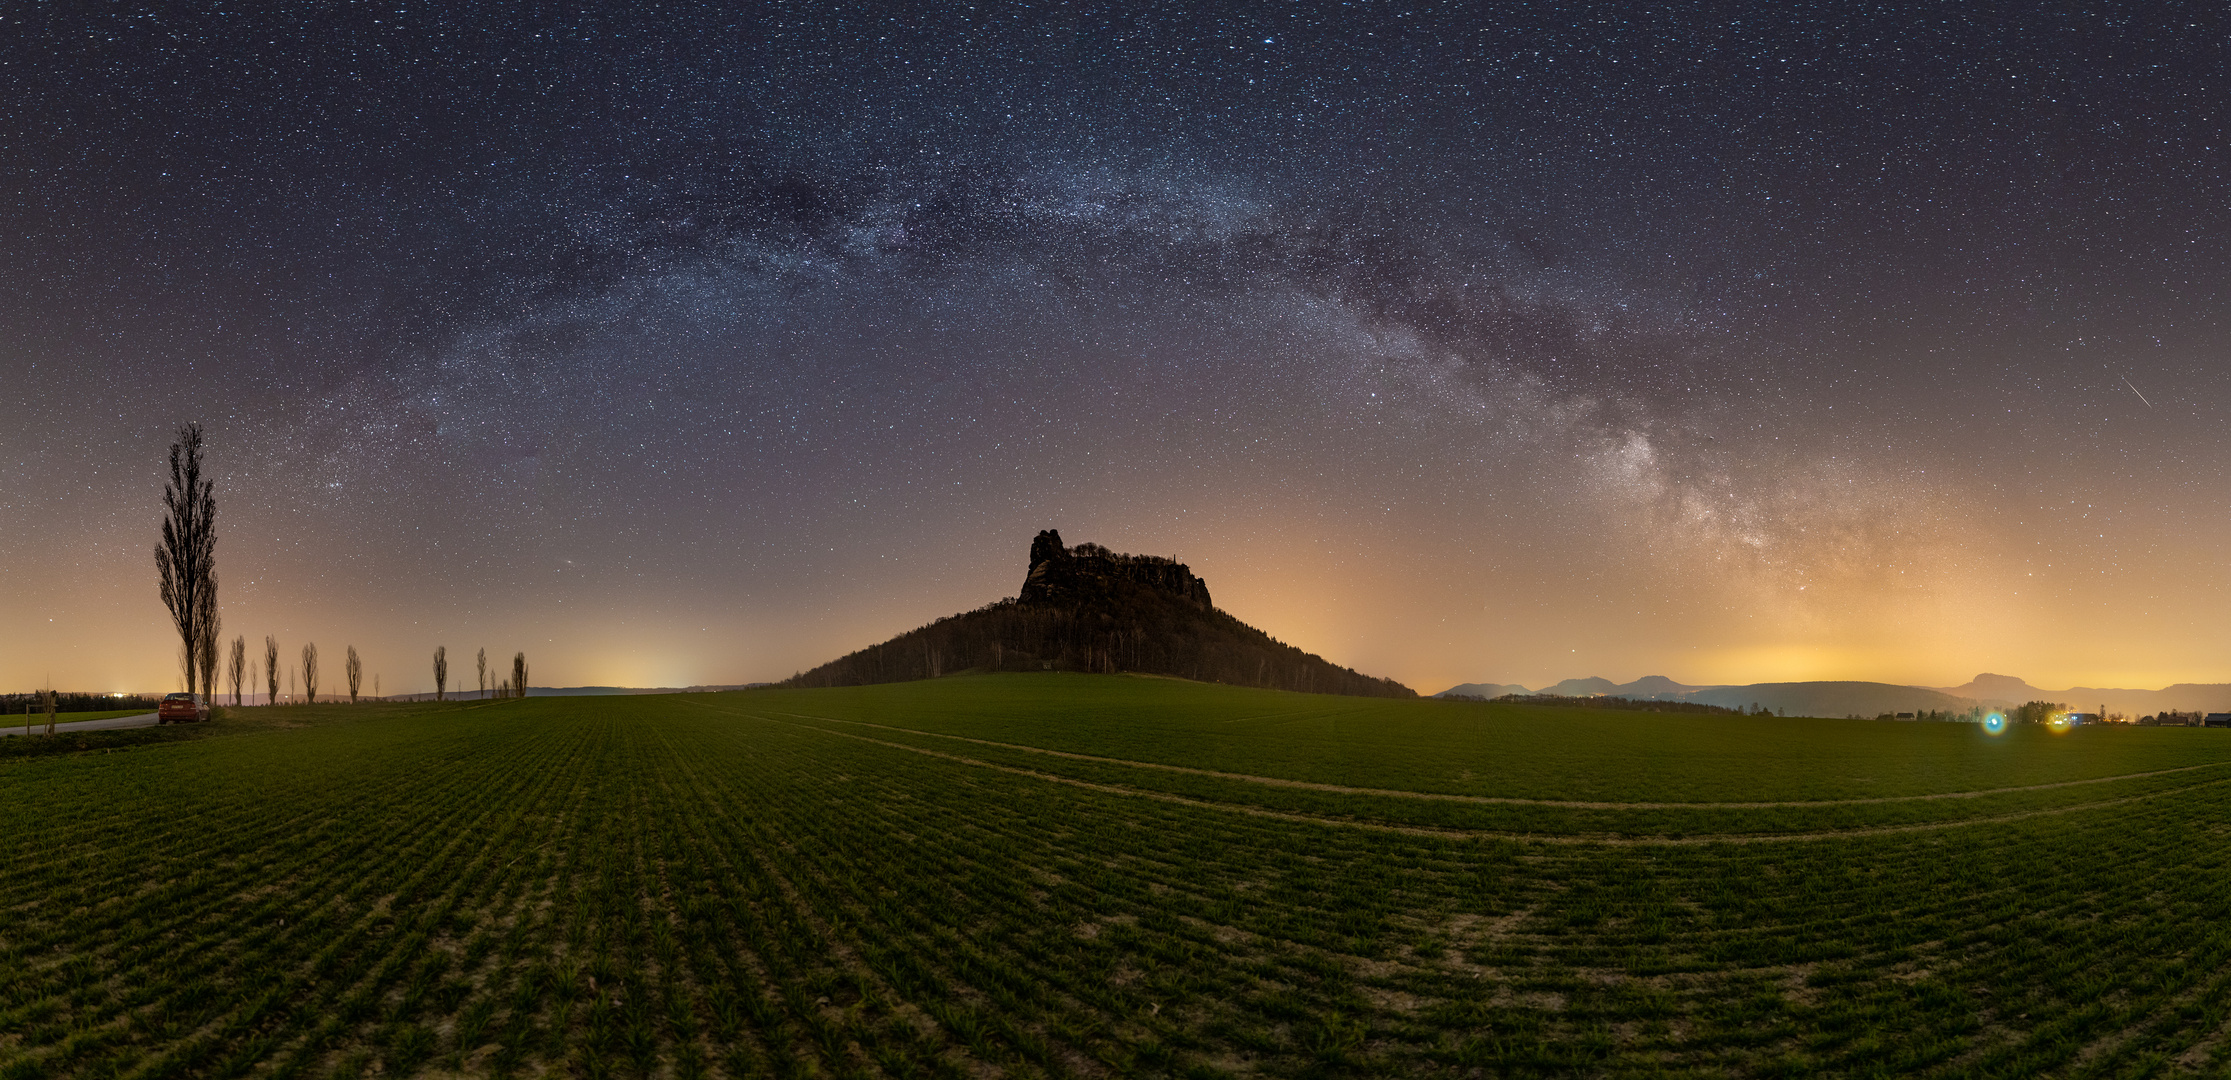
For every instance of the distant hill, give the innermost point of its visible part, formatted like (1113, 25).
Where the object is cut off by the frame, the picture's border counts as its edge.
(1588, 687)
(1987, 691)
(1090, 609)
(1998, 691)
(1483, 690)
(1838, 698)
(2004, 691)
(1656, 686)
(1649, 687)
(2190, 697)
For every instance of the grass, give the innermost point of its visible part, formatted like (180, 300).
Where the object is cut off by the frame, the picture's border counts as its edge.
(765, 884)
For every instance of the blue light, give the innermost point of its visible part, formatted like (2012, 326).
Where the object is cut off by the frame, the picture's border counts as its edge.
(1994, 723)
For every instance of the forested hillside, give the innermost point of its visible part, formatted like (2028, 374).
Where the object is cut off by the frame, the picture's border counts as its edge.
(1089, 609)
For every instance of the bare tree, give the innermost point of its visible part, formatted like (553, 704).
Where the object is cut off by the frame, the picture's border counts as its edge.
(354, 668)
(270, 670)
(236, 668)
(441, 671)
(209, 627)
(519, 675)
(481, 662)
(186, 559)
(310, 673)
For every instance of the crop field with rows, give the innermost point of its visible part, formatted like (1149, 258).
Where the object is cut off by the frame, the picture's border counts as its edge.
(1097, 876)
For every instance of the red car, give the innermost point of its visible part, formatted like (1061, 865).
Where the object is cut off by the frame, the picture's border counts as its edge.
(182, 709)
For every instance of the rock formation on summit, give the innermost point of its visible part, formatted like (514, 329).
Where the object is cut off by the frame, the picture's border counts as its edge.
(1086, 608)
(1060, 573)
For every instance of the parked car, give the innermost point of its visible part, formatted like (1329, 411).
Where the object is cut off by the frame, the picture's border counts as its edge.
(182, 709)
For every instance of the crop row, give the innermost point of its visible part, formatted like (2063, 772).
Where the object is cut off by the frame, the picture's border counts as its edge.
(659, 889)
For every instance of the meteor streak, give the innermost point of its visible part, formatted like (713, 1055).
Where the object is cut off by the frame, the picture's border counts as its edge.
(2134, 390)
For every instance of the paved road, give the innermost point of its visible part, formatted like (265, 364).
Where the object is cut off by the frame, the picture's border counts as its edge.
(11, 725)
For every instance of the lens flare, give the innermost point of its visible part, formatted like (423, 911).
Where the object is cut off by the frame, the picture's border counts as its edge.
(1994, 723)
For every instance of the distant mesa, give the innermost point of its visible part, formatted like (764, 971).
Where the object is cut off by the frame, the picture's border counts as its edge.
(1997, 690)
(1086, 608)
(1483, 690)
(1588, 687)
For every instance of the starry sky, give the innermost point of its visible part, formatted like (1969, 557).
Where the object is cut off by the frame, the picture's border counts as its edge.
(1489, 342)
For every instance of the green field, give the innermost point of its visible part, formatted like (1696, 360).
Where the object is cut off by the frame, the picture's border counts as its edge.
(1072, 875)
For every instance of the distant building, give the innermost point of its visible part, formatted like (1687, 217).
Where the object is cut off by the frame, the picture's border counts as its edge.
(1905, 716)
(2217, 719)
(2077, 718)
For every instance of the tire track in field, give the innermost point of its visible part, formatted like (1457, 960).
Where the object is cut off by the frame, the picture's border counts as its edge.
(1436, 832)
(1449, 987)
(1508, 800)
(959, 980)
(1046, 1009)
(1879, 1008)
(1061, 1018)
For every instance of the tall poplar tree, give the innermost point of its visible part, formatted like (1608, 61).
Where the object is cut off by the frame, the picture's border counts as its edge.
(186, 559)
(236, 667)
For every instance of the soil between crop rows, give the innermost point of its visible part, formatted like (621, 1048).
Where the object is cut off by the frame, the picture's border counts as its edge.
(696, 886)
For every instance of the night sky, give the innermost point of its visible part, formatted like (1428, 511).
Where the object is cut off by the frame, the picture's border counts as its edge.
(1502, 343)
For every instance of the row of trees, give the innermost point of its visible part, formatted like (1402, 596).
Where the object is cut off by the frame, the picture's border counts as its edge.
(68, 701)
(186, 574)
(241, 672)
(513, 685)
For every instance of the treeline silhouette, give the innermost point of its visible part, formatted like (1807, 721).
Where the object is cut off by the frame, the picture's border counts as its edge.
(68, 702)
(1117, 625)
(1624, 704)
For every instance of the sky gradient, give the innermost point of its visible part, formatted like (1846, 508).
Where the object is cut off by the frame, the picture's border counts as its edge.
(1740, 343)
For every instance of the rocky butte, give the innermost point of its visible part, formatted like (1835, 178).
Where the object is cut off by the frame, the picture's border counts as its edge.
(1059, 574)
(1087, 608)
